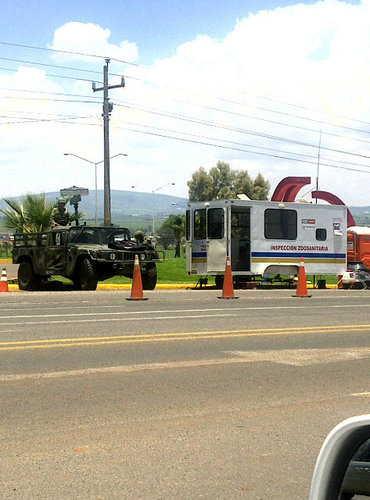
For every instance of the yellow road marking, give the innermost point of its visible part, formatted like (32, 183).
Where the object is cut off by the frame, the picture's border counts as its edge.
(174, 336)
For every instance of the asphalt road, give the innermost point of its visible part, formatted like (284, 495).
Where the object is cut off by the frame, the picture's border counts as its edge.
(181, 396)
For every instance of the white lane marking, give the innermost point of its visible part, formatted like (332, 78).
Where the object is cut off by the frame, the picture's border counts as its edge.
(304, 357)
(361, 394)
(13, 330)
(99, 320)
(125, 313)
(115, 313)
(123, 369)
(296, 357)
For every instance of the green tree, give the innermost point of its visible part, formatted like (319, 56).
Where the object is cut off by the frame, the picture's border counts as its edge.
(224, 183)
(260, 188)
(176, 224)
(200, 187)
(166, 236)
(32, 214)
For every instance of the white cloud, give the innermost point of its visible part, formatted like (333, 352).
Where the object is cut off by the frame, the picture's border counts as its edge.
(91, 39)
(310, 57)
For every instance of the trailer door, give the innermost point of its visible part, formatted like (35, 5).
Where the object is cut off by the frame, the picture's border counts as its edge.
(216, 240)
(240, 238)
(188, 241)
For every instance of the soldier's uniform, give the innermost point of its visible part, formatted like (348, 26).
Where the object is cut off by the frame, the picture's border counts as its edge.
(60, 214)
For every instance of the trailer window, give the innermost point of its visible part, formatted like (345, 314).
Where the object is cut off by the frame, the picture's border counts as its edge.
(240, 225)
(280, 224)
(200, 224)
(215, 223)
(187, 225)
(320, 234)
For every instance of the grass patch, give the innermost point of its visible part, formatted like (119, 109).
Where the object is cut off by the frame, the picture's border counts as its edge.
(170, 271)
(173, 271)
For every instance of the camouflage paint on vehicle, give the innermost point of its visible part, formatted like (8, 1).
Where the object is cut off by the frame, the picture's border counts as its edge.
(83, 254)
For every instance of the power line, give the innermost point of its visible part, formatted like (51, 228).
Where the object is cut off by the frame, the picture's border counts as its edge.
(258, 107)
(201, 122)
(242, 92)
(63, 77)
(242, 150)
(229, 101)
(23, 61)
(47, 49)
(56, 119)
(49, 99)
(235, 129)
(246, 145)
(65, 94)
(238, 114)
(210, 144)
(204, 122)
(235, 113)
(306, 108)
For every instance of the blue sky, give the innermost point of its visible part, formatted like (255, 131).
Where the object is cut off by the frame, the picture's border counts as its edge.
(157, 27)
(252, 83)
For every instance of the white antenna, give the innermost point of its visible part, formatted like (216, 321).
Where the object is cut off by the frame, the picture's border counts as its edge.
(318, 164)
(243, 196)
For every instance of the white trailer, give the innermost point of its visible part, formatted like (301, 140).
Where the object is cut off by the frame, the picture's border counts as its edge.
(265, 238)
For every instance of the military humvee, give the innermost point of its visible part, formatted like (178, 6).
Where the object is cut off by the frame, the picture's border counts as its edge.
(83, 254)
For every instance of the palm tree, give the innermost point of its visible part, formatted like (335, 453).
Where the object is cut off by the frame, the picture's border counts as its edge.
(30, 215)
(176, 223)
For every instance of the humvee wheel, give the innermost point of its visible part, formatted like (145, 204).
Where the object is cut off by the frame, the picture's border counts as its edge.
(86, 278)
(27, 279)
(149, 278)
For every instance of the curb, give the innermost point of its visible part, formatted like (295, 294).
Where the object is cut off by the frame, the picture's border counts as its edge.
(168, 286)
(174, 286)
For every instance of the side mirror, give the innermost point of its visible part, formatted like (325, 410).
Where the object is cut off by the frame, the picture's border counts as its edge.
(357, 477)
(342, 468)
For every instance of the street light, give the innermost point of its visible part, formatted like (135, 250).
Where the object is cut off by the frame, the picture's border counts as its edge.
(95, 163)
(154, 191)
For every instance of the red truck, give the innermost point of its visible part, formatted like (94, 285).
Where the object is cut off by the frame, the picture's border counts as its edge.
(358, 245)
(358, 258)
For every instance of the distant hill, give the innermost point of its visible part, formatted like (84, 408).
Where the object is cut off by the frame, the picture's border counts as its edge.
(125, 204)
(128, 205)
(361, 215)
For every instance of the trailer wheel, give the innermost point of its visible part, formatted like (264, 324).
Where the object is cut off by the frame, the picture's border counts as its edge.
(27, 279)
(86, 278)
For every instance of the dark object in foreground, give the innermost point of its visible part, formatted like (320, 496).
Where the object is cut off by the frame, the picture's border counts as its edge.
(83, 254)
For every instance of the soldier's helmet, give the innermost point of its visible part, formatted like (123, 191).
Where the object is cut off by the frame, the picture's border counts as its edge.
(139, 235)
(61, 200)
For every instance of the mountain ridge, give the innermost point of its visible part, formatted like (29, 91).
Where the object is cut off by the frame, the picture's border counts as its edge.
(123, 204)
(127, 204)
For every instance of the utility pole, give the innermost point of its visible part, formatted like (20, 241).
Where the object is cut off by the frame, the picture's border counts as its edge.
(318, 164)
(107, 109)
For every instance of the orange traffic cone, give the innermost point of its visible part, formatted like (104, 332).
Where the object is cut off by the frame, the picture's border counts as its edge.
(228, 288)
(4, 281)
(301, 290)
(137, 285)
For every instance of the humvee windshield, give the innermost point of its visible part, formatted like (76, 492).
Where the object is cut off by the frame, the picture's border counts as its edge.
(98, 235)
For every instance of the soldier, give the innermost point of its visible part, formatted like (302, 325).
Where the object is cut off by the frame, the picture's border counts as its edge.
(139, 237)
(60, 214)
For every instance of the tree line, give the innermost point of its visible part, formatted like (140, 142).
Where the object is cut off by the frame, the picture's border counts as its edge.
(223, 183)
(33, 213)
(220, 183)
